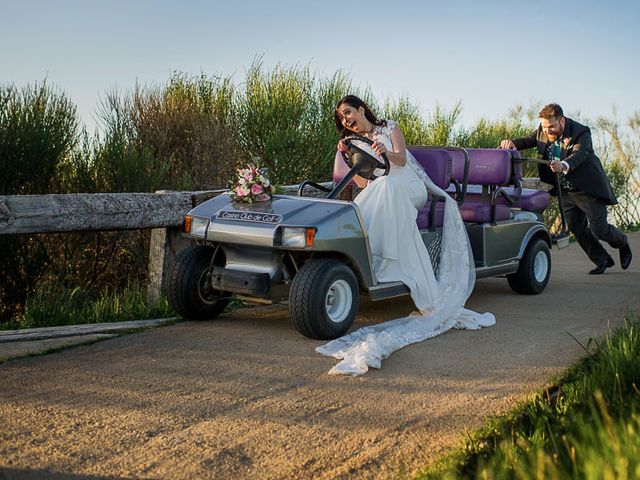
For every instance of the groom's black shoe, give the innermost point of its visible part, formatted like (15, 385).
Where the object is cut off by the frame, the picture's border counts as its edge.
(602, 266)
(625, 256)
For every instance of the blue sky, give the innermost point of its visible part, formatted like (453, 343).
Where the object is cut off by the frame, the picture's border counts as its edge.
(488, 55)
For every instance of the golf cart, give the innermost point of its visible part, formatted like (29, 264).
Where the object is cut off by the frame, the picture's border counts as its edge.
(314, 251)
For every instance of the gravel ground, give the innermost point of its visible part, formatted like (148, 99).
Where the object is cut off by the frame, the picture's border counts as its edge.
(246, 396)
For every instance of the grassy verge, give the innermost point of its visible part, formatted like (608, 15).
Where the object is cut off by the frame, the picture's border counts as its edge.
(52, 308)
(73, 307)
(585, 427)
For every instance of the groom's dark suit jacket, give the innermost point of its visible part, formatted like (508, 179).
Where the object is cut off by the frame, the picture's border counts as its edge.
(585, 169)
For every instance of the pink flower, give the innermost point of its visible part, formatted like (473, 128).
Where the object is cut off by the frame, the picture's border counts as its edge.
(241, 191)
(248, 176)
(566, 141)
(256, 189)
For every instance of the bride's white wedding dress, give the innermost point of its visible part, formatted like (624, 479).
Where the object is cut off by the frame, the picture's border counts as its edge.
(389, 206)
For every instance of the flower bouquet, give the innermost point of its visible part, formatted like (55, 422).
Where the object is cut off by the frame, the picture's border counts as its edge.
(251, 185)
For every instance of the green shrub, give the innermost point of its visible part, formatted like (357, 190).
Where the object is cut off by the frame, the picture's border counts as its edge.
(38, 129)
(38, 132)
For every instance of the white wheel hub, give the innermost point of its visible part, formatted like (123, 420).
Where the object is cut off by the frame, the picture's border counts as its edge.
(338, 301)
(540, 266)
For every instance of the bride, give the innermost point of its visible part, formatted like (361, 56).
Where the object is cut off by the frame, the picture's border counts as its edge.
(389, 206)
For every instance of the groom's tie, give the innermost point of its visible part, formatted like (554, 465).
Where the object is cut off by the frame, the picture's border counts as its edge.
(553, 152)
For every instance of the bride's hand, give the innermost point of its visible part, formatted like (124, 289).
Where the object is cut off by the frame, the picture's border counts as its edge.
(379, 147)
(342, 146)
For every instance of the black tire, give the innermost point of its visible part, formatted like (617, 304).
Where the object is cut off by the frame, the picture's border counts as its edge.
(534, 270)
(323, 300)
(188, 285)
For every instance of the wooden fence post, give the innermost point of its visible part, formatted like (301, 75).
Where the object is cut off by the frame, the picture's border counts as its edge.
(164, 245)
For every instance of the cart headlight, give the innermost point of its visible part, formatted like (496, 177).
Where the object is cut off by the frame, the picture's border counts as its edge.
(299, 237)
(196, 226)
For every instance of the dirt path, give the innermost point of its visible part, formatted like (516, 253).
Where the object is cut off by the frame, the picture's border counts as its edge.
(246, 396)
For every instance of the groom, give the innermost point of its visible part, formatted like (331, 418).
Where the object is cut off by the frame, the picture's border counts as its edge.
(585, 187)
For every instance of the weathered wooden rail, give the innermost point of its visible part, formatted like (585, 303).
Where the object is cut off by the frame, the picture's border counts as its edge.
(24, 214)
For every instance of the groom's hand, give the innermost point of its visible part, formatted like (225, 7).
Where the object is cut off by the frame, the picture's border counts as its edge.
(508, 144)
(557, 167)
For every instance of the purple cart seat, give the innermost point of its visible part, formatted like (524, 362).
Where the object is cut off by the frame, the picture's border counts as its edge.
(533, 200)
(481, 212)
(436, 163)
(423, 216)
(470, 212)
(493, 167)
(530, 199)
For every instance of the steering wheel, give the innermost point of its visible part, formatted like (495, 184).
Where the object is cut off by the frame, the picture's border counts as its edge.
(364, 160)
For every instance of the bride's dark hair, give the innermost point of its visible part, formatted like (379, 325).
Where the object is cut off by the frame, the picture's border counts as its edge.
(356, 103)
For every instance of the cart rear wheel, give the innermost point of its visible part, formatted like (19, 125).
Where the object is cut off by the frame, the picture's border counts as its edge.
(324, 299)
(534, 270)
(189, 289)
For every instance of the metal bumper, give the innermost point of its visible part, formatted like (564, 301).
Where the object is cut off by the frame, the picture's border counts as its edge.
(239, 282)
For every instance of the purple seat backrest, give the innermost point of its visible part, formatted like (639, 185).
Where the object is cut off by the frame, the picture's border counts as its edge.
(340, 169)
(437, 164)
(488, 166)
(457, 164)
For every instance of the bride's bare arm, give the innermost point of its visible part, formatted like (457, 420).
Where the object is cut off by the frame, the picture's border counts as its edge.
(398, 154)
(361, 182)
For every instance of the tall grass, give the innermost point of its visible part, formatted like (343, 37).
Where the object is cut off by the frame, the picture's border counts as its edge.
(585, 427)
(174, 137)
(285, 120)
(63, 306)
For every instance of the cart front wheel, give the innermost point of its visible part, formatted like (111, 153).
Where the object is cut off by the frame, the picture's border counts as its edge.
(324, 299)
(188, 288)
